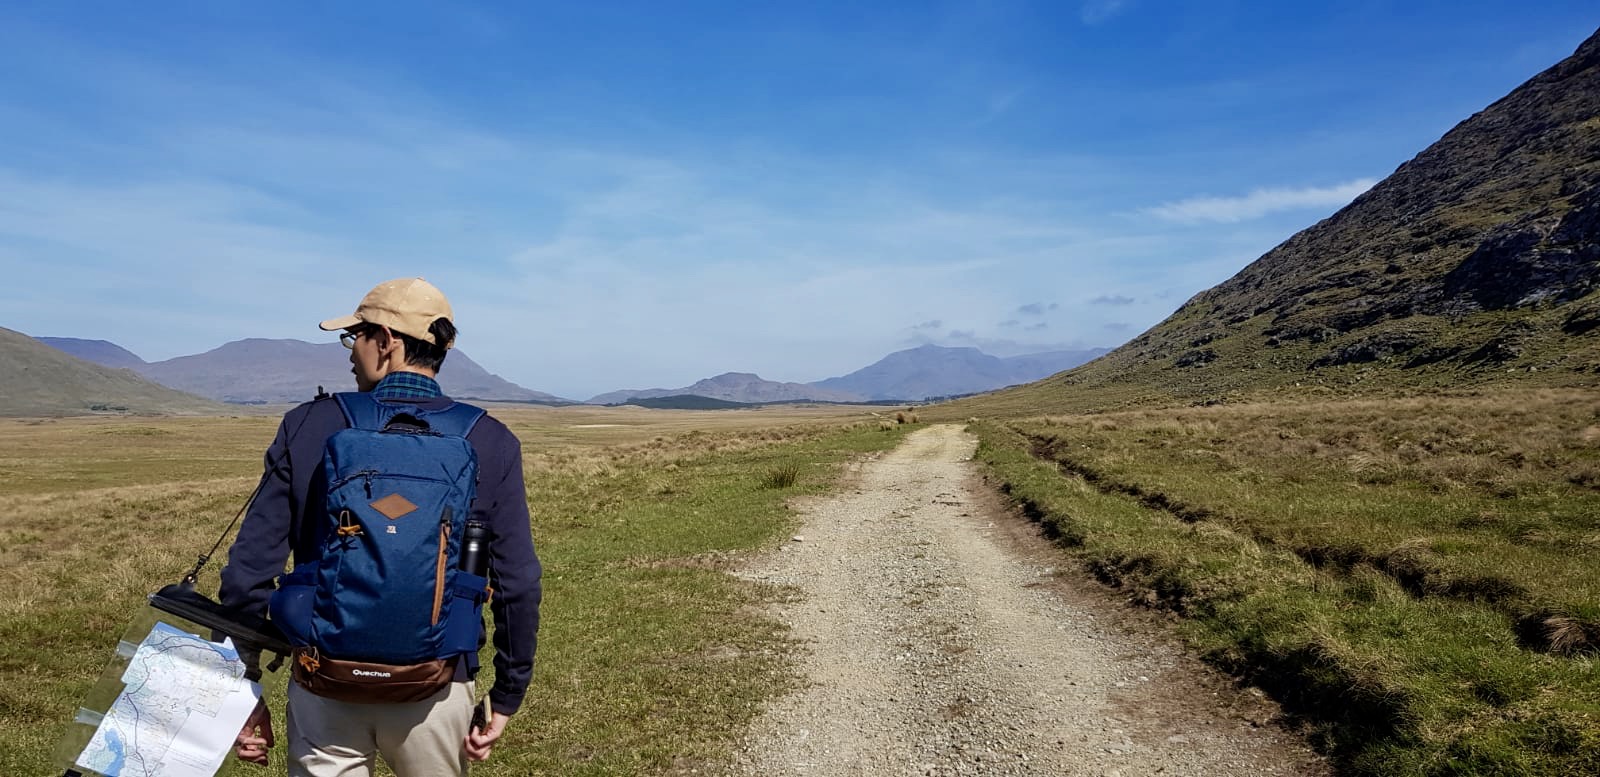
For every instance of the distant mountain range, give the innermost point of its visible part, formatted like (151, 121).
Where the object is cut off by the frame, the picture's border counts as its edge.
(258, 371)
(261, 371)
(42, 381)
(911, 375)
(937, 371)
(733, 387)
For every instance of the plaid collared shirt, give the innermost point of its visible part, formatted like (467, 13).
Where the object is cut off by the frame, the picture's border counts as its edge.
(406, 385)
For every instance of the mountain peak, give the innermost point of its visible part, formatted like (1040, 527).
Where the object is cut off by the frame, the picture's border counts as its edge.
(931, 370)
(745, 387)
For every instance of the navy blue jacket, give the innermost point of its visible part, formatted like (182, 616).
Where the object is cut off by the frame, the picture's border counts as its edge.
(283, 518)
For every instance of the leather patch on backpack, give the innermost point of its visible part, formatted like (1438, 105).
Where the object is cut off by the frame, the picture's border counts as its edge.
(393, 506)
(359, 682)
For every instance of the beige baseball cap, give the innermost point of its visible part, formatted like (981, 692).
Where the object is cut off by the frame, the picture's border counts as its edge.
(405, 305)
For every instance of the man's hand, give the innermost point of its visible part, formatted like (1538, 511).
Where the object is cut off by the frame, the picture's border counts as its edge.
(481, 741)
(255, 739)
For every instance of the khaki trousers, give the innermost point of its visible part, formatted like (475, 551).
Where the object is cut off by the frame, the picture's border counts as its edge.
(330, 738)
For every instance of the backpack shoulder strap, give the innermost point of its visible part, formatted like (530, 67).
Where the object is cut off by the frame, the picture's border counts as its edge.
(361, 411)
(458, 419)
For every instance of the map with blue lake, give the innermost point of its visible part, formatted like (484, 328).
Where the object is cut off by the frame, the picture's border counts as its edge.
(183, 702)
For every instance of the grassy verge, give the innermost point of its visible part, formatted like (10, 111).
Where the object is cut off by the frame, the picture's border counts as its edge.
(651, 657)
(1379, 567)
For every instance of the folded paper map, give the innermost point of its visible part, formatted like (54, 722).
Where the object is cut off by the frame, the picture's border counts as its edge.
(183, 702)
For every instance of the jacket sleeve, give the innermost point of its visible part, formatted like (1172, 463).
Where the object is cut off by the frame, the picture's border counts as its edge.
(515, 576)
(258, 554)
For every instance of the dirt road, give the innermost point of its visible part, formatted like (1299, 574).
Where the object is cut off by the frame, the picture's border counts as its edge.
(943, 642)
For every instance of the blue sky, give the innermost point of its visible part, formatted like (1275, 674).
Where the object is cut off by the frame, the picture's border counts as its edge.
(634, 195)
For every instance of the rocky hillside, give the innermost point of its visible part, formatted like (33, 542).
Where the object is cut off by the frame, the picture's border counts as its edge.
(40, 380)
(1476, 261)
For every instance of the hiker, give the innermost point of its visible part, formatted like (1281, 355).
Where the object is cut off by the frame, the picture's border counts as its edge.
(418, 713)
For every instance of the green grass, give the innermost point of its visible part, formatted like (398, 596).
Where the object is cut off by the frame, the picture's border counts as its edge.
(1367, 562)
(652, 657)
(782, 475)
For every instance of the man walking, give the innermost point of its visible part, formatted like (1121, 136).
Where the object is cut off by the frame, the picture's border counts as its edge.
(398, 338)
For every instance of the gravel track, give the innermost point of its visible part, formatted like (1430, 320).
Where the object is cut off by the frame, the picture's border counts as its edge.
(941, 641)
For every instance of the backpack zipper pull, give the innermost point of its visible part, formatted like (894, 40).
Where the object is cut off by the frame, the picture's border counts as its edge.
(348, 527)
(367, 477)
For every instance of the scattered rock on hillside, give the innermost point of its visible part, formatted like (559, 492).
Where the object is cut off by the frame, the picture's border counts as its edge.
(1196, 358)
(1534, 260)
(1379, 347)
(1582, 319)
(1507, 346)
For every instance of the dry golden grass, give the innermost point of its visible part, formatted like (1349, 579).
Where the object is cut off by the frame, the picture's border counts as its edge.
(73, 454)
(586, 426)
(1417, 575)
(98, 512)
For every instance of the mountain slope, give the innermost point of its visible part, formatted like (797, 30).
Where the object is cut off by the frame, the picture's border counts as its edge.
(733, 387)
(277, 371)
(1474, 262)
(936, 371)
(40, 380)
(102, 352)
(1033, 366)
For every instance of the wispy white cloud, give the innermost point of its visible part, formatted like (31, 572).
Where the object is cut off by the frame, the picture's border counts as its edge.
(999, 104)
(1258, 203)
(1000, 346)
(1112, 299)
(1097, 11)
(161, 263)
(576, 265)
(572, 270)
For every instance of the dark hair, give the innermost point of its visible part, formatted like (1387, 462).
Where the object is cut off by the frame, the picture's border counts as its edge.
(421, 353)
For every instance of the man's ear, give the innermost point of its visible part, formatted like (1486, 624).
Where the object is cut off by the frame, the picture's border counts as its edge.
(389, 345)
(385, 340)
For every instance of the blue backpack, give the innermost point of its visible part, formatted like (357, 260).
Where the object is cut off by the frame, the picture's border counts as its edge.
(386, 591)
